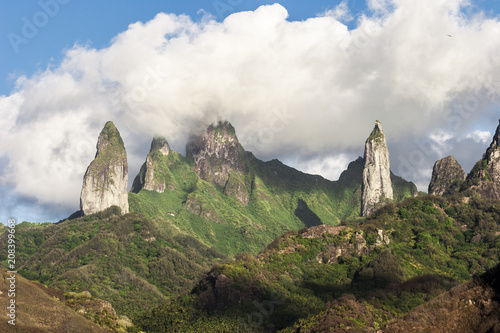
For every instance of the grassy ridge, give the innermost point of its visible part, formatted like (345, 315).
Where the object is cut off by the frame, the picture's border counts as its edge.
(281, 199)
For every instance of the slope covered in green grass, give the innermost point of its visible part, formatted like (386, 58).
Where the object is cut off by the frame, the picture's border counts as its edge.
(281, 199)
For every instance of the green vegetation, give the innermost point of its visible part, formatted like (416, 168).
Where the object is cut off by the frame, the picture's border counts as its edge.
(258, 202)
(126, 260)
(376, 135)
(298, 282)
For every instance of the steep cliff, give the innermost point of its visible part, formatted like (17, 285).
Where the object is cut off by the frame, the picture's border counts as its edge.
(154, 175)
(220, 159)
(377, 185)
(106, 179)
(485, 175)
(446, 175)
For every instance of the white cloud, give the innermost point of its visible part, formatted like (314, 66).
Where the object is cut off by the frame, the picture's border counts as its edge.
(480, 136)
(330, 167)
(341, 12)
(441, 141)
(290, 88)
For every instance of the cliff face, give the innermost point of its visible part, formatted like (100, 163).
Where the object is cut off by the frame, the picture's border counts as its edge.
(493, 157)
(152, 176)
(485, 176)
(106, 179)
(447, 173)
(377, 184)
(220, 159)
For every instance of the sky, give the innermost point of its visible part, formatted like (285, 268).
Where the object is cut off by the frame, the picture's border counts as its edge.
(300, 81)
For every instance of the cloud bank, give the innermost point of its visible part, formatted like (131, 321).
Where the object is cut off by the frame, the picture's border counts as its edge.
(304, 91)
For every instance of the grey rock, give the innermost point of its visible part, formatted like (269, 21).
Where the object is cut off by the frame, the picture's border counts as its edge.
(151, 176)
(106, 179)
(447, 172)
(220, 159)
(377, 184)
(484, 177)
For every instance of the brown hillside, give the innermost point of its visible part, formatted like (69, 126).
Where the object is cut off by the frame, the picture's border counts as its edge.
(472, 307)
(39, 310)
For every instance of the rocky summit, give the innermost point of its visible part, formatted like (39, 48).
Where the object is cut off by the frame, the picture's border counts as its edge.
(106, 179)
(377, 185)
(485, 175)
(446, 175)
(152, 176)
(220, 159)
(493, 156)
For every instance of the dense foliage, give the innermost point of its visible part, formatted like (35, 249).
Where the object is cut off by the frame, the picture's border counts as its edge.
(296, 282)
(124, 259)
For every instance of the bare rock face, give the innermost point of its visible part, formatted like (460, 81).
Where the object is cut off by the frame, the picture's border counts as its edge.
(152, 177)
(377, 184)
(485, 175)
(493, 156)
(446, 174)
(106, 179)
(220, 159)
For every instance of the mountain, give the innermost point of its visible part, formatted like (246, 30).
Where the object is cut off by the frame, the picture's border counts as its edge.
(484, 177)
(447, 175)
(352, 277)
(154, 175)
(220, 160)
(229, 199)
(106, 179)
(186, 214)
(377, 185)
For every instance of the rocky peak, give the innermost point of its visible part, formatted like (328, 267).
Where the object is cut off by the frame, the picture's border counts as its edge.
(485, 175)
(106, 179)
(493, 156)
(220, 159)
(160, 144)
(151, 177)
(377, 184)
(446, 174)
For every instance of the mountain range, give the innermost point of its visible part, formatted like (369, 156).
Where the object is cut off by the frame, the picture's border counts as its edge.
(219, 240)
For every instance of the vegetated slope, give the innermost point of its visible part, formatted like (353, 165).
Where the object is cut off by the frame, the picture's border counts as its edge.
(124, 259)
(345, 276)
(38, 311)
(280, 199)
(473, 307)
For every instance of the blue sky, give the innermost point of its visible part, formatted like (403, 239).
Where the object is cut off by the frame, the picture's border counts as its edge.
(97, 22)
(326, 69)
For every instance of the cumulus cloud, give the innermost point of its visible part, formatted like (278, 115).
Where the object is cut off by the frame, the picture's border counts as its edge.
(291, 89)
(480, 136)
(341, 12)
(330, 167)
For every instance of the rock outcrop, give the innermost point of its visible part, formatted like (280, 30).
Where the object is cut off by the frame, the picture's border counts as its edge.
(106, 179)
(356, 244)
(493, 156)
(446, 175)
(153, 175)
(377, 184)
(220, 159)
(485, 175)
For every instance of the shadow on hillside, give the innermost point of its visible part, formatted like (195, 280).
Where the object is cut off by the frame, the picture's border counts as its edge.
(306, 215)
